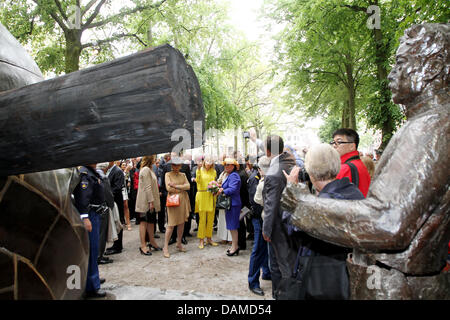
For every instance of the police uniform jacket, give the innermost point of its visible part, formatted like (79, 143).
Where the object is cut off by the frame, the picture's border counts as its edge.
(89, 191)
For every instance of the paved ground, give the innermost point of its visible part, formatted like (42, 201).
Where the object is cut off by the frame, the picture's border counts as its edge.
(206, 274)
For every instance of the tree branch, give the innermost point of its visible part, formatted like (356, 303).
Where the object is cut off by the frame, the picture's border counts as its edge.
(63, 14)
(89, 23)
(88, 6)
(356, 8)
(93, 15)
(256, 105)
(53, 15)
(112, 38)
(326, 72)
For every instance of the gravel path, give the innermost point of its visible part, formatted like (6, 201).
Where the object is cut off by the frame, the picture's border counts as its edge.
(196, 274)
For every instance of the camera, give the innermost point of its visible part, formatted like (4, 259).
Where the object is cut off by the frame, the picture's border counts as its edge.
(303, 176)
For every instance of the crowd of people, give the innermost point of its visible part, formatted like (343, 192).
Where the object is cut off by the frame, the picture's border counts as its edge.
(300, 265)
(172, 191)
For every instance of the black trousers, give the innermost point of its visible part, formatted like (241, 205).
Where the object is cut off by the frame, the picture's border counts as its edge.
(162, 219)
(248, 222)
(118, 199)
(242, 235)
(274, 271)
(132, 203)
(103, 234)
(162, 213)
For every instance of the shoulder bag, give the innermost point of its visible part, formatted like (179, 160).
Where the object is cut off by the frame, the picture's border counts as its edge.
(320, 277)
(223, 202)
(173, 200)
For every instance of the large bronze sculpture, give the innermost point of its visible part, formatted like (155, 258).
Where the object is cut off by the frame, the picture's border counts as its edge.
(400, 232)
(124, 108)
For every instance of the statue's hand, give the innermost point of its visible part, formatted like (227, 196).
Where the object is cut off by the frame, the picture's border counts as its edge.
(292, 195)
(293, 176)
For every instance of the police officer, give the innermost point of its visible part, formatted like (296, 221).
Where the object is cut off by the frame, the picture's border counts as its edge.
(89, 200)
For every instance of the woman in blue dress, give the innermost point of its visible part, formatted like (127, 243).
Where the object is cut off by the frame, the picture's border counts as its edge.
(231, 187)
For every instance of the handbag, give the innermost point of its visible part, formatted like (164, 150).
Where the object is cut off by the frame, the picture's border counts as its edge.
(173, 200)
(321, 278)
(223, 202)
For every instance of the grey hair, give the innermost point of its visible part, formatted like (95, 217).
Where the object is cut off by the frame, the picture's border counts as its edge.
(264, 163)
(102, 165)
(323, 162)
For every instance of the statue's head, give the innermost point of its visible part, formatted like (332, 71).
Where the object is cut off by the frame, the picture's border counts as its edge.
(422, 63)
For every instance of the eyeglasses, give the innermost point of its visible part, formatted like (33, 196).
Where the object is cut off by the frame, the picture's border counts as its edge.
(338, 143)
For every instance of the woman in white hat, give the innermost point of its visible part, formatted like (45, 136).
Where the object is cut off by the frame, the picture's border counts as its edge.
(176, 183)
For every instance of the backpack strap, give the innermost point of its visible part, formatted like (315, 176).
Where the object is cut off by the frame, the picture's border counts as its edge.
(353, 170)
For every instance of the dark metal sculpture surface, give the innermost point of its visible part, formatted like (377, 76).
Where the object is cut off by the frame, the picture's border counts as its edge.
(41, 234)
(17, 68)
(400, 232)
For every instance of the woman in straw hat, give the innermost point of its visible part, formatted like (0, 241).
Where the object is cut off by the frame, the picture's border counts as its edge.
(231, 187)
(176, 183)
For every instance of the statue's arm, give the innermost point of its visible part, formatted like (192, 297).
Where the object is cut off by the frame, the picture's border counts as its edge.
(409, 183)
(348, 223)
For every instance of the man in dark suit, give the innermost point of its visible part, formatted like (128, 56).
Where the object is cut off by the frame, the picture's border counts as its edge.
(117, 182)
(259, 257)
(281, 255)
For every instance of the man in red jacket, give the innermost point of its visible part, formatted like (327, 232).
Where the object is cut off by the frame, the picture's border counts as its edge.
(346, 141)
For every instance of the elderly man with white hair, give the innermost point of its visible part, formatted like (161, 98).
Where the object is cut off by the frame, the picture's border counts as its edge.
(323, 164)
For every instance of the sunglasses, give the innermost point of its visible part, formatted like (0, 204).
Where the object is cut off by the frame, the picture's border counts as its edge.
(338, 143)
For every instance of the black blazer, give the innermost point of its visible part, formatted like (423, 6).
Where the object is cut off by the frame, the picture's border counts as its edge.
(117, 180)
(274, 184)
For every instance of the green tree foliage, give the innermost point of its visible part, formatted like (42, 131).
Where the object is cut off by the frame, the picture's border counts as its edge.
(324, 39)
(326, 130)
(322, 55)
(197, 28)
(57, 27)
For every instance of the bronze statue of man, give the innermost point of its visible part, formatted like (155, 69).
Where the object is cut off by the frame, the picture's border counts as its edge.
(400, 232)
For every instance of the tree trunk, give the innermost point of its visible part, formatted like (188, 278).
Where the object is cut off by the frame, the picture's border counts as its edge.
(73, 50)
(345, 115)
(124, 108)
(381, 60)
(351, 96)
(387, 127)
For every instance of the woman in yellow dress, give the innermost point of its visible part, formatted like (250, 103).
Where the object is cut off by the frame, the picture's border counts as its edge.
(176, 183)
(205, 202)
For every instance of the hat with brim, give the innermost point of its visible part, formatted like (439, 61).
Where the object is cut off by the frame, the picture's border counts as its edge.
(176, 161)
(231, 161)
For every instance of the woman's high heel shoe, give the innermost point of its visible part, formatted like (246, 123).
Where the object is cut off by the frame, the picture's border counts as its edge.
(166, 254)
(145, 253)
(236, 252)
